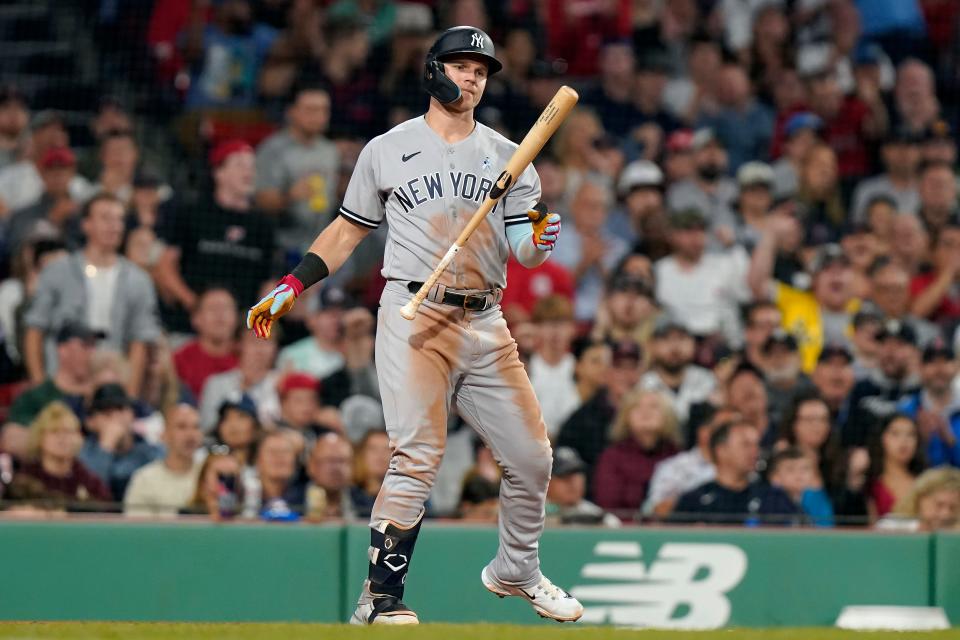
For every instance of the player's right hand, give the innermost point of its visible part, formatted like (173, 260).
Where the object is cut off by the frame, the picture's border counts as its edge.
(274, 305)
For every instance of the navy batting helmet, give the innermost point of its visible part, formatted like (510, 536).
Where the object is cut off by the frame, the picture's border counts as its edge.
(456, 40)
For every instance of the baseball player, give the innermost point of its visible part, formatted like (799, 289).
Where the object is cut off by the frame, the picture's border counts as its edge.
(425, 178)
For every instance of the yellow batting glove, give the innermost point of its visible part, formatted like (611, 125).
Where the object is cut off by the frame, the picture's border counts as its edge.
(273, 305)
(546, 227)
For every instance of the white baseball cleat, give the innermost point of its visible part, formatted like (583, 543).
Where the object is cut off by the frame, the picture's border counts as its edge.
(373, 608)
(546, 598)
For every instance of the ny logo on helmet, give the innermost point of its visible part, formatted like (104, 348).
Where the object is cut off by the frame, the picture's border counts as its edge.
(476, 40)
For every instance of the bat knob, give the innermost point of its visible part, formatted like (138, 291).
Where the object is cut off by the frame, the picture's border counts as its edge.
(409, 310)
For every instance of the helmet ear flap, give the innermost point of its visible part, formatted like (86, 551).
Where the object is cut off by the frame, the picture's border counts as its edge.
(437, 84)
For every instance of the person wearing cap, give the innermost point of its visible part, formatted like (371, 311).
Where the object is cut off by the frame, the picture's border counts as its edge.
(640, 187)
(551, 366)
(163, 487)
(98, 287)
(936, 406)
(223, 241)
(629, 309)
(877, 397)
(319, 354)
(54, 213)
(900, 152)
(890, 292)
(678, 163)
(113, 450)
(297, 169)
(14, 118)
(754, 199)
(864, 347)
(20, 182)
(705, 289)
(934, 294)
(70, 383)
(213, 351)
(672, 371)
(938, 144)
(709, 190)
(938, 196)
(566, 493)
(802, 131)
(742, 124)
(254, 376)
(834, 379)
(225, 55)
(819, 315)
(782, 373)
(299, 405)
(653, 120)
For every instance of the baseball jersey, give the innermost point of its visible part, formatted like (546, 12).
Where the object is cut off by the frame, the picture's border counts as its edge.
(427, 190)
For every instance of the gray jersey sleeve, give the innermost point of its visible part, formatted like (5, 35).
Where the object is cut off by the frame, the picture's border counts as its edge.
(362, 203)
(521, 198)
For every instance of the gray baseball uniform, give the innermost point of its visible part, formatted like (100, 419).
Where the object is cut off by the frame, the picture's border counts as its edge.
(427, 190)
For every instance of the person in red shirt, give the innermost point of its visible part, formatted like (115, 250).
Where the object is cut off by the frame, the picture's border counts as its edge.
(850, 122)
(644, 433)
(526, 286)
(214, 349)
(936, 294)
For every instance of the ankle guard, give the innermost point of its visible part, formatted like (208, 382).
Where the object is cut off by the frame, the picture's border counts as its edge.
(391, 550)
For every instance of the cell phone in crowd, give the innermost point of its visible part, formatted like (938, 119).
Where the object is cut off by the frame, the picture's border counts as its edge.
(227, 500)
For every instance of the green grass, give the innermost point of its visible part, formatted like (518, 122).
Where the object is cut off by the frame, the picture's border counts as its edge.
(151, 631)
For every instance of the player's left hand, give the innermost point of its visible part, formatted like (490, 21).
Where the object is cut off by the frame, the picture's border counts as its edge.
(546, 227)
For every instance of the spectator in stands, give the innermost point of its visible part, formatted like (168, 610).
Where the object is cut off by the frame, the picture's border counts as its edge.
(833, 379)
(678, 160)
(220, 491)
(238, 428)
(589, 251)
(586, 429)
(819, 200)
(118, 164)
(643, 434)
(690, 96)
(792, 470)
(819, 316)
(297, 170)
(640, 186)
(862, 247)
(551, 367)
(709, 191)
(932, 505)
(890, 292)
(782, 372)
(938, 144)
(915, 103)
(358, 375)
(879, 214)
(276, 465)
(610, 99)
(653, 122)
(911, 245)
(629, 310)
(807, 426)
(330, 469)
(733, 497)
(299, 403)
(97, 287)
(54, 213)
(113, 450)
(371, 460)
(226, 54)
(934, 293)
(163, 487)
(802, 132)
(755, 182)
(747, 395)
(479, 499)
(20, 182)
(14, 118)
(760, 320)
(901, 157)
(742, 124)
(938, 197)
(566, 493)
(213, 351)
(71, 382)
(224, 241)
(53, 476)
(704, 289)
(254, 376)
(686, 470)
(319, 353)
(936, 407)
(672, 370)
(896, 459)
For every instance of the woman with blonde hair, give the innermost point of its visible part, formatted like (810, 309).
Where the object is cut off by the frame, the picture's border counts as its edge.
(53, 475)
(578, 147)
(932, 505)
(643, 434)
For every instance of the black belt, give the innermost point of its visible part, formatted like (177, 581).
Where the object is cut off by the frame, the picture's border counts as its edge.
(470, 302)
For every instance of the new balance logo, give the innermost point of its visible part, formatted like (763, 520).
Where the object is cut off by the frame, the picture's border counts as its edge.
(476, 40)
(684, 587)
(406, 157)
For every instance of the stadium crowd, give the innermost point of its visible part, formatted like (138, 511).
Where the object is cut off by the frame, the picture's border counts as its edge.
(751, 315)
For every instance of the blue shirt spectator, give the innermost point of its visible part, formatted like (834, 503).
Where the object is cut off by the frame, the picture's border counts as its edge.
(879, 17)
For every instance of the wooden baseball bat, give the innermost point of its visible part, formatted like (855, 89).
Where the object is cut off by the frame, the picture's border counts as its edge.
(545, 126)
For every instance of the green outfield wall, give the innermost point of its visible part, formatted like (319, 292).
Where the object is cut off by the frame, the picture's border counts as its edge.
(683, 578)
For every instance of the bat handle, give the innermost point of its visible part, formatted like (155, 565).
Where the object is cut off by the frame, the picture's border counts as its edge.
(409, 310)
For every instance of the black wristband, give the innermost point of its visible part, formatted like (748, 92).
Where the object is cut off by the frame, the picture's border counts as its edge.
(311, 270)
